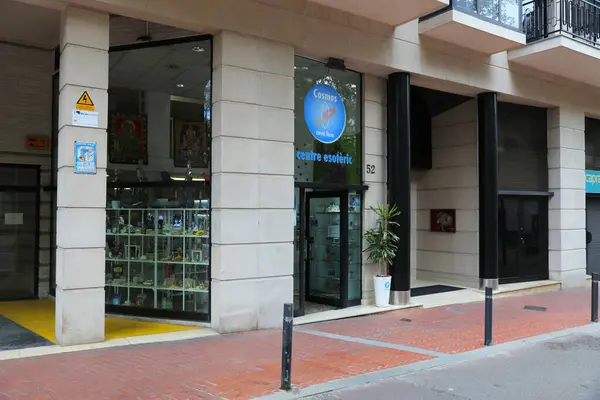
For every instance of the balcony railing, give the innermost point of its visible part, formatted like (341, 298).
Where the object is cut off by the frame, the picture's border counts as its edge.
(574, 18)
(506, 13)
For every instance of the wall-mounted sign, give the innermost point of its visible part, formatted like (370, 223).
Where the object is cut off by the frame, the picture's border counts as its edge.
(443, 221)
(37, 142)
(89, 119)
(85, 103)
(592, 181)
(324, 113)
(85, 157)
(13, 219)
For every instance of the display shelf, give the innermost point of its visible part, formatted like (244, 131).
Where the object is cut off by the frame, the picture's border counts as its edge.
(166, 247)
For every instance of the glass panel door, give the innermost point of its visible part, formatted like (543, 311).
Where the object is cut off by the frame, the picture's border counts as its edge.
(18, 244)
(299, 253)
(354, 248)
(326, 242)
(534, 230)
(509, 238)
(523, 239)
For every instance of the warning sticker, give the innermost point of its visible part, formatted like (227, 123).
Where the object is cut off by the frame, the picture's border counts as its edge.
(85, 103)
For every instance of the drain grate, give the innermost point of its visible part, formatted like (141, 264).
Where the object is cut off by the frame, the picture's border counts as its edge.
(535, 308)
(406, 320)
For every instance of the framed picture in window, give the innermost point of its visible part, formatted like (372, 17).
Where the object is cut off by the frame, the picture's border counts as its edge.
(190, 142)
(128, 139)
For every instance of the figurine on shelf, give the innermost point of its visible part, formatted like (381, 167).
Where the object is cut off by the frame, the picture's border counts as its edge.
(116, 300)
(141, 298)
(177, 222)
(122, 224)
(161, 222)
(150, 221)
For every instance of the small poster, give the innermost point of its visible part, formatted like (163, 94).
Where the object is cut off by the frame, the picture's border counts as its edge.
(85, 158)
(333, 231)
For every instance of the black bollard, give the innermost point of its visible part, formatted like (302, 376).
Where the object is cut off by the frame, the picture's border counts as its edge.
(286, 348)
(488, 316)
(594, 297)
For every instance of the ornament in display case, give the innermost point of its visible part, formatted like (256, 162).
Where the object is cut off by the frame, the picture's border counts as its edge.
(140, 299)
(149, 221)
(189, 283)
(161, 222)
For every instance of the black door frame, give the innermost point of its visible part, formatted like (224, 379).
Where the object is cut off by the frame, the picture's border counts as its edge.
(342, 302)
(35, 188)
(542, 199)
(323, 191)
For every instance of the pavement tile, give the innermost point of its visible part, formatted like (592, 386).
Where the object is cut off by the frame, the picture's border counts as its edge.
(443, 329)
(247, 365)
(239, 366)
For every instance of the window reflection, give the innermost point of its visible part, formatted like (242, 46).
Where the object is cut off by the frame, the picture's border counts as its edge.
(504, 12)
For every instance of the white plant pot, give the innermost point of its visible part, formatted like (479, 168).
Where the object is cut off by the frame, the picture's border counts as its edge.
(382, 290)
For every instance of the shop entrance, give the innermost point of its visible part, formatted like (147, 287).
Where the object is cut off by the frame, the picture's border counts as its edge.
(19, 231)
(523, 238)
(327, 256)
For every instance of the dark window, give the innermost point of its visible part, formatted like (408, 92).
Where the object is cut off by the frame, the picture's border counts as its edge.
(522, 148)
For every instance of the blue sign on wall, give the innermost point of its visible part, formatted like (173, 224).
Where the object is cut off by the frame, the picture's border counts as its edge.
(324, 113)
(85, 157)
(592, 181)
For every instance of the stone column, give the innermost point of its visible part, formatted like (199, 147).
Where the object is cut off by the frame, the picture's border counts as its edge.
(81, 199)
(566, 211)
(375, 150)
(252, 182)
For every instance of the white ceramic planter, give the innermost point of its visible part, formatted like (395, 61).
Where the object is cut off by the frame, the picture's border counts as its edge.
(382, 290)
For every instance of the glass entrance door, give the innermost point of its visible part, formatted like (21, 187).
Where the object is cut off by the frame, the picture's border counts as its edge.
(327, 248)
(328, 251)
(18, 244)
(523, 238)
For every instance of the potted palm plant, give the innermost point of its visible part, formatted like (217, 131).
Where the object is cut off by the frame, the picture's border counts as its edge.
(382, 245)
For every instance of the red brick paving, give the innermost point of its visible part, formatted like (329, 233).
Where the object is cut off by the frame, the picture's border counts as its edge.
(247, 365)
(459, 328)
(233, 367)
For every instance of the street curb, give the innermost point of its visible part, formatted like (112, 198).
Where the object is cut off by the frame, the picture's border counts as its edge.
(442, 361)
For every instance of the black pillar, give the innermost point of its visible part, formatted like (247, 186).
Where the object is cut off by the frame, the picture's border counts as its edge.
(488, 189)
(398, 135)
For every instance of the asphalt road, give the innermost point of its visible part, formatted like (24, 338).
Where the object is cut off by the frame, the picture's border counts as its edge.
(566, 368)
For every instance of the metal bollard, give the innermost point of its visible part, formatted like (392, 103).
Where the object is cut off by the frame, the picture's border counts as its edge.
(594, 297)
(488, 316)
(286, 348)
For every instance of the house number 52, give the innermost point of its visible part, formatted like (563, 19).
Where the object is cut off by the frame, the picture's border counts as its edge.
(370, 169)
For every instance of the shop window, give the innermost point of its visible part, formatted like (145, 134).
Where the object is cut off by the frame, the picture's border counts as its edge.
(592, 144)
(158, 192)
(328, 125)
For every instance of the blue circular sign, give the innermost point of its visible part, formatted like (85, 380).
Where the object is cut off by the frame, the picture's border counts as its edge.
(324, 113)
(387, 285)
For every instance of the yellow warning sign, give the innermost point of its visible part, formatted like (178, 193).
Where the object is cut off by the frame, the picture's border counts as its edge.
(85, 103)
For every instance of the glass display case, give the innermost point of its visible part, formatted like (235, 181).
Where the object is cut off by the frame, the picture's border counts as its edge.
(158, 249)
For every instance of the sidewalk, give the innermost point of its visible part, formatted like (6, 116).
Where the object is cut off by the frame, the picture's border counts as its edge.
(243, 366)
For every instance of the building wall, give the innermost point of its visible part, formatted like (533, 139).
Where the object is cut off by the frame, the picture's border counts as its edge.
(26, 109)
(375, 149)
(252, 182)
(566, 179)
(366, 45)
(450, 184)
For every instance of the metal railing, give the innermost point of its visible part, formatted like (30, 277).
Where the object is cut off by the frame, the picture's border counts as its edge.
(506, 13)
(575, 18)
